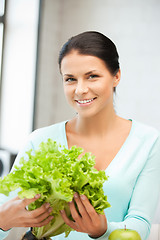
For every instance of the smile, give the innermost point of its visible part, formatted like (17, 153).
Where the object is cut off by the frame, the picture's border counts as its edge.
(85, 101)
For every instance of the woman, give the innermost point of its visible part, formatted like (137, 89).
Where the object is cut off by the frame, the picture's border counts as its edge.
(127, 150)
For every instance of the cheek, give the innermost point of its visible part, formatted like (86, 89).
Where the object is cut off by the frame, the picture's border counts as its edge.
(68, 92)
(104, 90)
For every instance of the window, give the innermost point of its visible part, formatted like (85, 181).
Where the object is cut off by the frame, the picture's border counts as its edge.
(18, 71)
(1, 44)
(2, 14)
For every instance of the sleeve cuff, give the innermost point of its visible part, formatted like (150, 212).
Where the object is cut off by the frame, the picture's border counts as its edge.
(3, 234)
(105, 235)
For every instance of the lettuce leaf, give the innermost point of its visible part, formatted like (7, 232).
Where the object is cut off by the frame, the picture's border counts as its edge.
(56, 173)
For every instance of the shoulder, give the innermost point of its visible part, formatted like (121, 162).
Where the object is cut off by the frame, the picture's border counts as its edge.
(145, 131)
(49, 129)
(56, 132)
(144, 146)
(145, 134)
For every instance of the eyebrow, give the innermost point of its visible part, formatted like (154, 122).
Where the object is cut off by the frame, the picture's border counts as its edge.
(90, 72)
(70, 75)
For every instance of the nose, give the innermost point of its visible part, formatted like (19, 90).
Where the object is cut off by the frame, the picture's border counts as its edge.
(81, 88)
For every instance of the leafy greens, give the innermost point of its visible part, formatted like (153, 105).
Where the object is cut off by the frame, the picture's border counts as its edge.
(56, 173)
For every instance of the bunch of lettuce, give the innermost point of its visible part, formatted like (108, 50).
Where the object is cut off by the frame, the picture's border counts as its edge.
(56, 173)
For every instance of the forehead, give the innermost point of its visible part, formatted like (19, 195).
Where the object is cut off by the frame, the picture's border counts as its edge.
(75, 61)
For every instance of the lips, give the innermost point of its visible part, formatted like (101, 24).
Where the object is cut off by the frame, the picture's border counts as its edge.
(84, 101)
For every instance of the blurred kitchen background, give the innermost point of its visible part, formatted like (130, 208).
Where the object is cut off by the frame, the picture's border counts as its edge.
(31, 35)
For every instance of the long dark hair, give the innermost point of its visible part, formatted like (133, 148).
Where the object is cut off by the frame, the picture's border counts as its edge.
(95, 44)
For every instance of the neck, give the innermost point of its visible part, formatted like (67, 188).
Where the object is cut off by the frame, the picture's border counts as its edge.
(97, 125)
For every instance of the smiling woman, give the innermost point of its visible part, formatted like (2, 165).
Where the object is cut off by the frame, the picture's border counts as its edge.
(127, 150)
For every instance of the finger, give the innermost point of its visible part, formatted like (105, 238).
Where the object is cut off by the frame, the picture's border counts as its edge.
(81, 207)
(89, 208)
(43, 216)
(80, 221)
(39, 211)
(68, 221)
(25, 202)
(74, 212)
(45, 222)
(39, 224)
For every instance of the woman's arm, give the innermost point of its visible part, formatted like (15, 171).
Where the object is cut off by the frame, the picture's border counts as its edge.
(144, 198)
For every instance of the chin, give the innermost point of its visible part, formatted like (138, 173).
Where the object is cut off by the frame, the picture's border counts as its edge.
(87, 114)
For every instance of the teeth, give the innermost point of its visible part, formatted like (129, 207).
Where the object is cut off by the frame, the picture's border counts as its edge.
(86, 101)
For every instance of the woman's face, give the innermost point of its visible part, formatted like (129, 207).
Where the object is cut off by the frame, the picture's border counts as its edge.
(88, 84)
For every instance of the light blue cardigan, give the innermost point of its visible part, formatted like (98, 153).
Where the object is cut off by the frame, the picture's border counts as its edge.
(133, 186)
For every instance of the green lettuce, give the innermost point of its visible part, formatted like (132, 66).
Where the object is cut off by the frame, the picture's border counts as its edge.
(56, 173)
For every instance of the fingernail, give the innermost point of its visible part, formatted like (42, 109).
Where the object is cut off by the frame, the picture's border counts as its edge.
(51, 217)
(62, 211)
(76, 195)
(37, 196)
(50, 210)
(47, 205)
(83, 197)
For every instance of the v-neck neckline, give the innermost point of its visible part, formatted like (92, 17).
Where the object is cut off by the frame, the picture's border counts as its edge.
(123, 147)
(120, 150)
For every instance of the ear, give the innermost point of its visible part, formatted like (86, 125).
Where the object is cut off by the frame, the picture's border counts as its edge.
(117, 78)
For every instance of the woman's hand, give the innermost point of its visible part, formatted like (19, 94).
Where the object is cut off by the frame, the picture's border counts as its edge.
(88, 221)
(14, 214)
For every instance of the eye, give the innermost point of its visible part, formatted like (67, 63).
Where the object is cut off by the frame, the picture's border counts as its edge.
(93, 76)
(70, 79)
